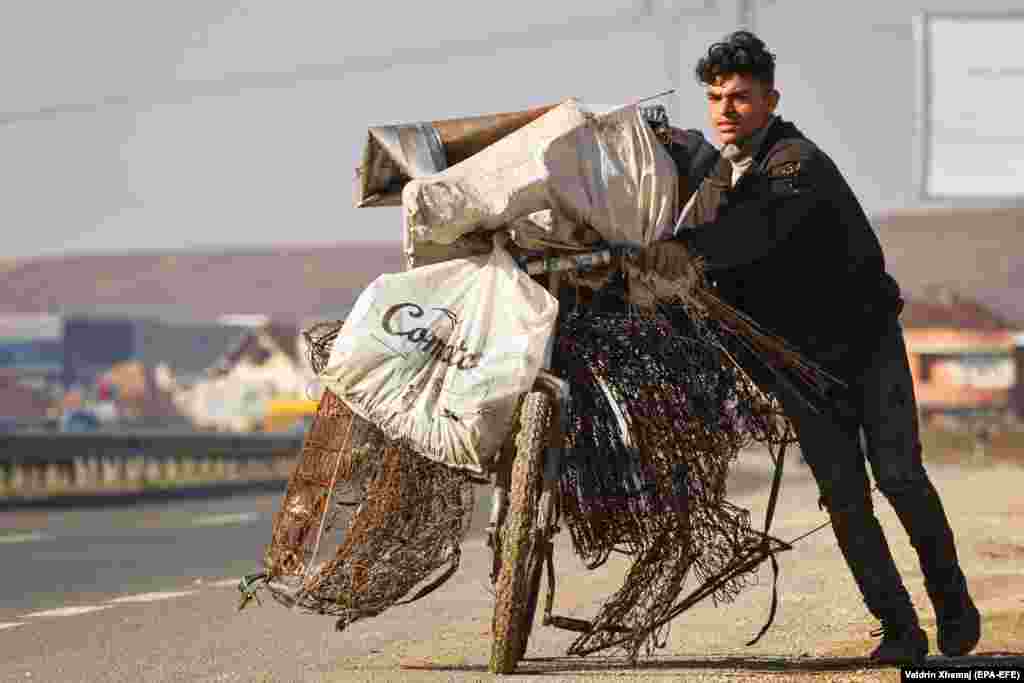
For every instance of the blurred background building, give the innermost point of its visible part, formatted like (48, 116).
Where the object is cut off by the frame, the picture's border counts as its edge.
(962, 357)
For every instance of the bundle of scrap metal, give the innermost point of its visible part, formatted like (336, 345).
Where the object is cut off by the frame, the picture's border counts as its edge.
(658, 413)
(364, 521)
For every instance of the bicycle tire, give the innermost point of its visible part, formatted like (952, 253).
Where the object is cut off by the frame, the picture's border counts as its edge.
(518, 585)
(534, 574)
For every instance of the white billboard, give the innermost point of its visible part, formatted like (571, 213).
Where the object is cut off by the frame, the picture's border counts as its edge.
(971, 95)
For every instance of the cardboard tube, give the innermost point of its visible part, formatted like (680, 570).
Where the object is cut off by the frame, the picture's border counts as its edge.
(464, 137)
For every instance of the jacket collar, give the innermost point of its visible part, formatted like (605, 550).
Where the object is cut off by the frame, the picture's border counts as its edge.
(764, 140)
(749, 148)
(778, 129)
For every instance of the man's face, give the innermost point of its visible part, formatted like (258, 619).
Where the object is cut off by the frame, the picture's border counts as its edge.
(739, 104)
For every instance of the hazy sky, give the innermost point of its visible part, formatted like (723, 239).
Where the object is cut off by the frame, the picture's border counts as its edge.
(128, 124)
(145, 124)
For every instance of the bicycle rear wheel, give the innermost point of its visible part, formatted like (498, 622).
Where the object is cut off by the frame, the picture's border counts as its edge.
(522, 556)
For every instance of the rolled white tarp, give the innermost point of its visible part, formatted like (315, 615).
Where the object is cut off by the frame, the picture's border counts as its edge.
(606, 171)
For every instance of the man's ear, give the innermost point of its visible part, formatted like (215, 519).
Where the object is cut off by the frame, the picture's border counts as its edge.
(773, 100)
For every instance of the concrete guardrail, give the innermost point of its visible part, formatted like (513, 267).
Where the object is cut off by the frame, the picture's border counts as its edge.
(40, 464)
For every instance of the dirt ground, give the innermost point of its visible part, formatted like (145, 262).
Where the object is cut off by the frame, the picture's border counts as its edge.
(821, 630)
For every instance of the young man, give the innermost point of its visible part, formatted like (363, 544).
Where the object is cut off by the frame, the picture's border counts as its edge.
(785, 240)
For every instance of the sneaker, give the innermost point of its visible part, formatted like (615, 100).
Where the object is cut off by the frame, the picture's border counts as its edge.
(959, 625)
(901, 644)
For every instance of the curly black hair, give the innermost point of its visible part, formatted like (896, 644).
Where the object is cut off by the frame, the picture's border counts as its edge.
(740, 53)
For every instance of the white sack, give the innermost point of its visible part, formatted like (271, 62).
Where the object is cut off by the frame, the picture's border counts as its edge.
(614, 175)
(440, 355)
(607, 171)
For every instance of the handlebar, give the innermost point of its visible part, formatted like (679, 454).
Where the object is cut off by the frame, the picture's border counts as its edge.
(584, 261)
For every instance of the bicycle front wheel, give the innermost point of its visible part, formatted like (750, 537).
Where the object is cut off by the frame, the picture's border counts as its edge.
(522, 556)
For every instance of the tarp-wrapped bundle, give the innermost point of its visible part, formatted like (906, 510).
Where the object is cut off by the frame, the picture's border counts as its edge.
(561, 176)
(608, 172)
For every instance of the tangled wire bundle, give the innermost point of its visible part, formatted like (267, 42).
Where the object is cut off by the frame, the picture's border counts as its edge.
(658, 413)
(385, 519)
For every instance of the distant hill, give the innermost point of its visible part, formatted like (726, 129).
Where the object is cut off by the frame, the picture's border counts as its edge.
(290, 284)
(977, 253)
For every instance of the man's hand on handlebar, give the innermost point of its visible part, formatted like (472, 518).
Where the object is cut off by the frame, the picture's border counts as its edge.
(660, 272)
(668, 259)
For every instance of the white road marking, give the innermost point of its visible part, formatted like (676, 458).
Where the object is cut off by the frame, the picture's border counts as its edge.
(226, 519)
(151, 597)
(125, 599)
(30, 537)
(69, 611)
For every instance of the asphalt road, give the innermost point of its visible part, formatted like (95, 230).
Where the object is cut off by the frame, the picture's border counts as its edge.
(147, 593)
(128, 591)
(55, 557)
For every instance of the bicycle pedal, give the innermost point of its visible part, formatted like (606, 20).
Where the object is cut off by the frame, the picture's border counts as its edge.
(569, 624)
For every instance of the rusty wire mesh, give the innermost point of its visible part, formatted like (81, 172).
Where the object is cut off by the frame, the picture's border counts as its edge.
(390, 520)
(658, 413)
(319, 338)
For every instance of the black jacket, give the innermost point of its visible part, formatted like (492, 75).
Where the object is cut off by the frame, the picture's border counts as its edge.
(694, 157)
(791, 246)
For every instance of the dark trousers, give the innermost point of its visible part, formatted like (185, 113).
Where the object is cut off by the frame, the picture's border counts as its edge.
(883, 408)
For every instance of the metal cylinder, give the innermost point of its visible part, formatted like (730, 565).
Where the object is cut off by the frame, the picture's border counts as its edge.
(395, 154)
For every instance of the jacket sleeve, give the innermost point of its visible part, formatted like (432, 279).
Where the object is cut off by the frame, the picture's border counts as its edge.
(694, 156)
(795, 182)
